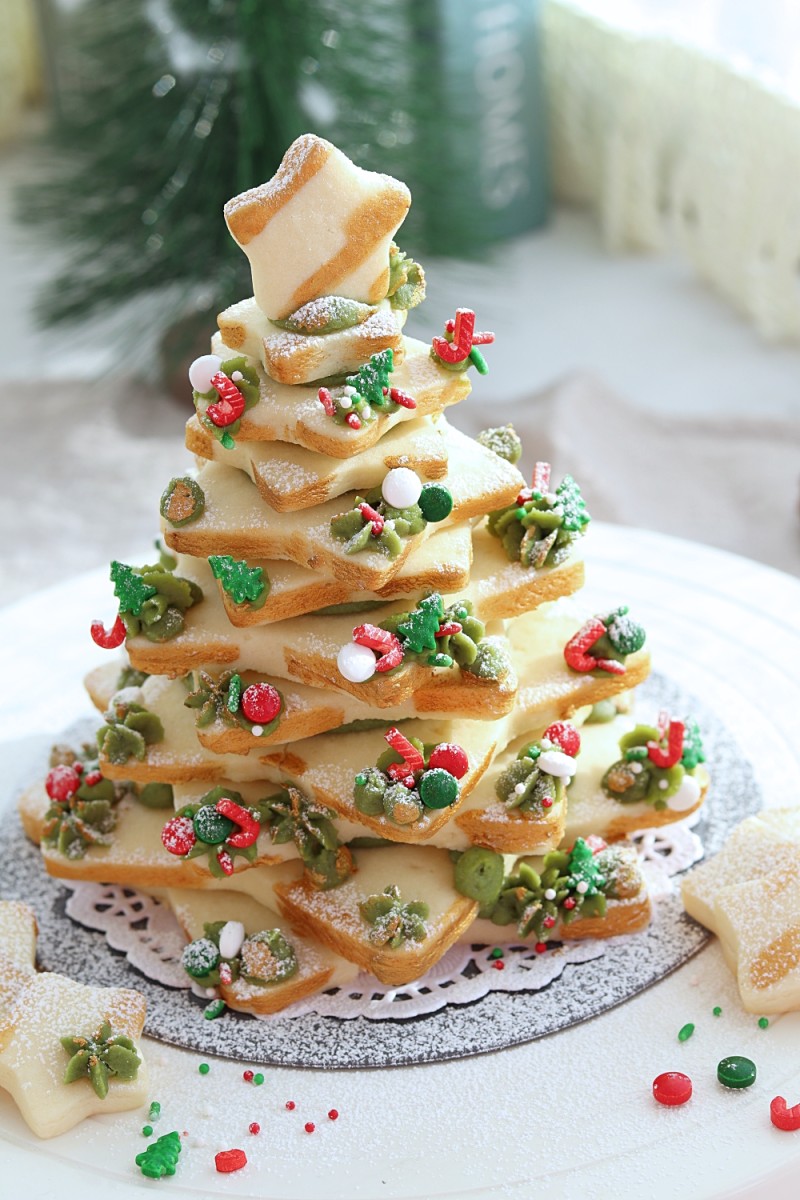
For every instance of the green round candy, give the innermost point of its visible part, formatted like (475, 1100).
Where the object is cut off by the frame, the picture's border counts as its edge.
(182, 501)
(156, 795)
(479, 875)
(435, 502)
(210, 826)
(438, 788)
(736, 1071)
(200, 957)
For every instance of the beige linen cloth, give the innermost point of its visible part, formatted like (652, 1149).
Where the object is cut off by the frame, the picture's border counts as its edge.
(83, 467)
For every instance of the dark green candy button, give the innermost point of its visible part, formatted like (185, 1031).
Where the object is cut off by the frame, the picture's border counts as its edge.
(479, 875)
(435, 502)
(736, 1071)
(438, 788)
(210, 826)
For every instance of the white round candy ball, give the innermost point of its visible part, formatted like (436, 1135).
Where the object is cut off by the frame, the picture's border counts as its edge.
(554, 762)
(202, 370)
(356, 663)
(401, 487)
(231, 937)
(686, 796)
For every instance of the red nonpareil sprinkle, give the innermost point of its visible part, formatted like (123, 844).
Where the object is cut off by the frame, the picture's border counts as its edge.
(247, 1076)
(569, 902)
(178, 835)
(547, 802)
(399, 773)
(353, 420)
(525, 495)
(290, 1105)
(230, 1160)
(309, 1127)
(62, 783)
(549, 922)
(254, 1128)
(499, 965)
(92, 778)
(402, 398)
(333, 1115)
(108, 639)
(326, 400)
(225, 861)
(541, 477)
(78, 766)
(261, 703)
(540, 947)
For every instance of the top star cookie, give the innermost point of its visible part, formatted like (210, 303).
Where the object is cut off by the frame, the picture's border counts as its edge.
(321, 226)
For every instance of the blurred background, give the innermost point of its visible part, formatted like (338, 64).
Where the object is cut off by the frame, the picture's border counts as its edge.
(610, 184)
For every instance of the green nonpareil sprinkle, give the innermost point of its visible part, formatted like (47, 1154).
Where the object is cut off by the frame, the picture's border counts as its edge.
(147, 1130)
(763, 1023)
(204, 1068)
(496, 953)
(155, 1111)
(685, 1032)
(717, 1011)
(258, 1079)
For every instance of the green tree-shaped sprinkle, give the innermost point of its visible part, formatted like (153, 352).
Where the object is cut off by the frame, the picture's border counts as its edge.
(421, 625)
(161, 1157)
(243, 584)
(370, 380)
(95, 1058)
(129, 588)
(392, 921)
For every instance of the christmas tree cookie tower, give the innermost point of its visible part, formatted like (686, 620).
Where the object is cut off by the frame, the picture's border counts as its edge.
(341, 734)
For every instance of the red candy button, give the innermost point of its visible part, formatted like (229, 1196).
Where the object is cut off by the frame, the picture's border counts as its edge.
(178, 836)
(261, 703)
(782, 1117)
(230, 1160)
(451, 757)
(672, 1088)
(565, 736)
(62, 783)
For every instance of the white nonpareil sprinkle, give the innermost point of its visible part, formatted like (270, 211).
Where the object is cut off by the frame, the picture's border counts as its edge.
(237, 376)
(345, 401)
(519, 789)
(636, 768)
(550, 894)
(582, 887)
(663, 784)
(257, 730)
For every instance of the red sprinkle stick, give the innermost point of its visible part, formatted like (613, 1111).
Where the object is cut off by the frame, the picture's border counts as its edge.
(448, 629)
(108, 639)
(541, 477)
(402, 398)
(371, 514)
(353, 420)
(326, 400)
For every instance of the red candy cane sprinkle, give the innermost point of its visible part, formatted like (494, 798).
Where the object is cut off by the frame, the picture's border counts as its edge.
(541, 477)
(230, 1160)
(402, 398)
(178, 836)
(787, 1119)
(326, 400)
(62, 783)
(261, 703)
(231, 403)
(249, 827)
(576, 651)
(372, 515)
(674, 751)
(386, 644)
(407, 751)
(108, 639)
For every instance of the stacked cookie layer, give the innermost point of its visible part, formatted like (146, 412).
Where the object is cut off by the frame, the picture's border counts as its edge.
(347, 686)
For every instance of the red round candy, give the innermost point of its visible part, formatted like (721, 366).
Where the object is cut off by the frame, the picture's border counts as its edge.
(230, 1160)
(672, 1088)
(451, 757)
(565, 736)
(261, 703)
(178, 835)
(62, 783)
